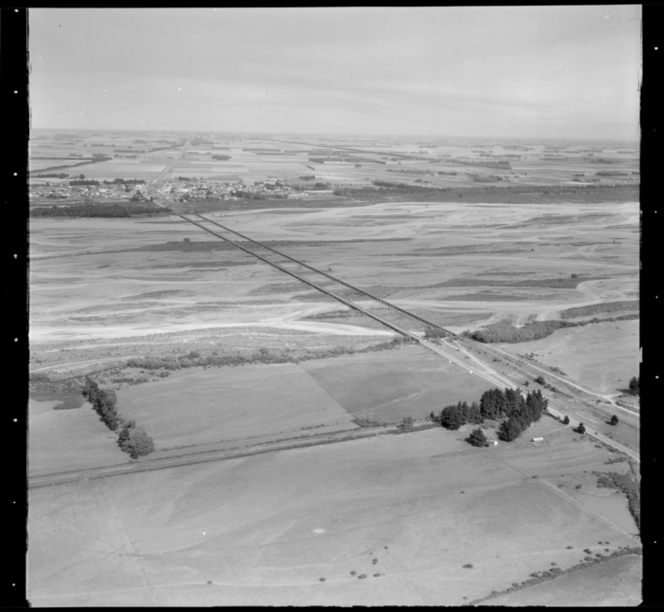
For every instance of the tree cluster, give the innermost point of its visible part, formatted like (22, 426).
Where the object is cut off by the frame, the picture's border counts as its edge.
(119, 181)
(491, 178)
(132, 439)
(454, 416)
(634, 385)
(506, 332)
(255, 195)
(477, 438)
(519, 411)
(521, 414)
(103, 403)
(435, 332)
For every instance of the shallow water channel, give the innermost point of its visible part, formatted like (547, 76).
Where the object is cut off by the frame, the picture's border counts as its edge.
(613, 507)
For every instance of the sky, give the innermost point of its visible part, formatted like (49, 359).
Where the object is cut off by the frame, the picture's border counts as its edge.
(522, 72)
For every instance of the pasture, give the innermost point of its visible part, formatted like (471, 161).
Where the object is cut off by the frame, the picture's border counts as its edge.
(616, 583)
(391, 385)
(601, 356)
(233, 403)
(264, 530)
(67, 440)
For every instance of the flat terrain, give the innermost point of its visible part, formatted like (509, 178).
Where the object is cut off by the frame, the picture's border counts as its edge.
(114, 297)
(390, 385)
(265, 529)
(601, 356)
(92, 279)
(440, 163)
(233, 403)
(616, 583)
(63, 440)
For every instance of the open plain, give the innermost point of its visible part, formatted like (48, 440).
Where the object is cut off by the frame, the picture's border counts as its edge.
(300, 526)
(210, 348)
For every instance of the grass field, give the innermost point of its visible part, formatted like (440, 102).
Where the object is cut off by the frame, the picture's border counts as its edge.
(264, 530)
(602, 357)
(616, 583)
(391, 385)
(231, 403)
(62, 440)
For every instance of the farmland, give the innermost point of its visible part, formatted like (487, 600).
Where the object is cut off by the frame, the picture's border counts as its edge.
(207, 347)
(410, 512)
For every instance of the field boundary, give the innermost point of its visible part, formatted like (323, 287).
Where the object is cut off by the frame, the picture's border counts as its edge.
(534, 581)
(146, 465)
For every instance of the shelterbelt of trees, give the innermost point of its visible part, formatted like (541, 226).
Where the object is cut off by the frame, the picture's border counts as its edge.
(505, 194)
(518, 411)
(132, 438)
(98, 210)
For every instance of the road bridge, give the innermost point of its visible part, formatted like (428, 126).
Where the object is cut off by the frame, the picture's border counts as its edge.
(332, 278)
(450, 343)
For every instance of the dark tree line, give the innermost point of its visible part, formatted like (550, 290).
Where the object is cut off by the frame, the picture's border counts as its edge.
(97, 210)
(518, 411)
(103, 403)
(254, 195)
(132, 438)
(634, 385)
(435, 193)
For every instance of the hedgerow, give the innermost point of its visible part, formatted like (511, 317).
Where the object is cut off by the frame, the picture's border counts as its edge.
(132, 439)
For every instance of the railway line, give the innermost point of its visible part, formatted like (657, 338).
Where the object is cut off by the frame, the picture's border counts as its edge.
(332, 278)
(480, 369)
(450, 344)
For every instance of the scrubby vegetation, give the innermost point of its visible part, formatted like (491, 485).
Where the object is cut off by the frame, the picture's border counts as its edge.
(519, 411)
(505, 331)
(551, 573)
(434, 332)
(627, 484)
(67, 392)
(70, 403)
(365, 422)
(606, 307)
(502, 194)
(262, 355)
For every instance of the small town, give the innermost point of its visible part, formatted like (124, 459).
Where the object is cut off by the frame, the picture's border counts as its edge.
(182, 190)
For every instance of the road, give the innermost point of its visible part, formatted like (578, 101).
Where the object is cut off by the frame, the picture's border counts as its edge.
(574, 423)
(448, 348)
(179, 459)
